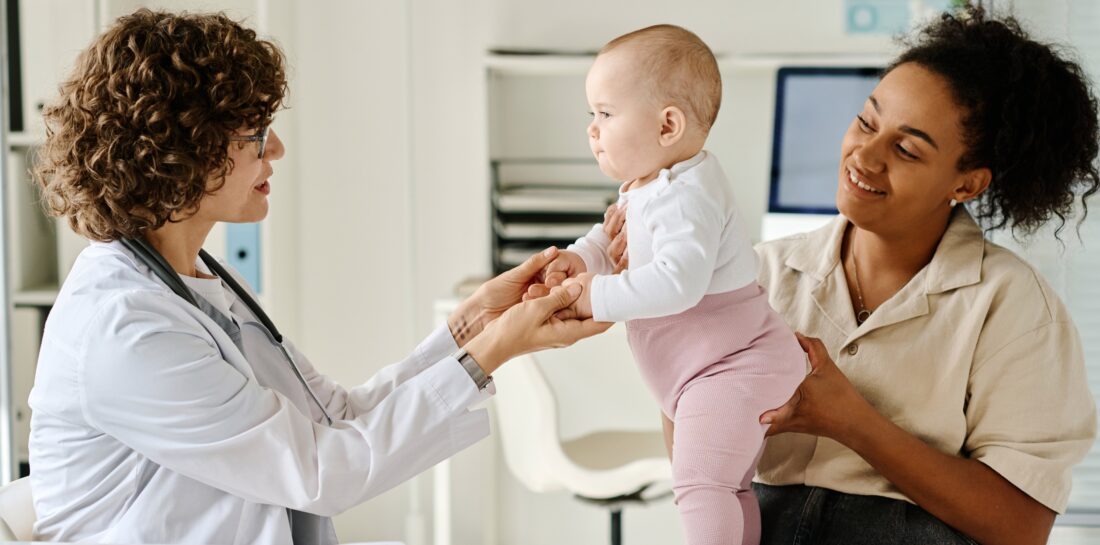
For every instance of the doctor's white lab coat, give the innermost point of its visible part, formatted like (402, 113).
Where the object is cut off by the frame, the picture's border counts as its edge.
(150, 425)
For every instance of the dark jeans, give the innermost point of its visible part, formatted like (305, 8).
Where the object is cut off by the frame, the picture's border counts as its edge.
(807, 515)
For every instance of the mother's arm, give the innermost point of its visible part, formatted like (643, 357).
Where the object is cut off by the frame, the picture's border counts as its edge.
(963, 492)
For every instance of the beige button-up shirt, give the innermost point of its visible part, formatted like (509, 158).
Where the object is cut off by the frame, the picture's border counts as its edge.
(976, 356)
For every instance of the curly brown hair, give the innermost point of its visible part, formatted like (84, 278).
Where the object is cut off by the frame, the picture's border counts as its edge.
(142, 125)
(1031, 116)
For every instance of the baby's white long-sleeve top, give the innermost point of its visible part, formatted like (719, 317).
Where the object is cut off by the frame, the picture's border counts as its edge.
(685, 238)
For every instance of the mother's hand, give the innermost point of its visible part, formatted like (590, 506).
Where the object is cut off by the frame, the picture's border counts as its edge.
(496, 296)
(614, 221)
(825, 404)
(531, 326)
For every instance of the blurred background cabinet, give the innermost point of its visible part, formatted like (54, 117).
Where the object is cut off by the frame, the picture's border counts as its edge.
(39, 251)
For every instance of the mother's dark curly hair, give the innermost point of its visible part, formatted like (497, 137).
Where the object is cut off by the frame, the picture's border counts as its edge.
(1030, 118)
(141, 130)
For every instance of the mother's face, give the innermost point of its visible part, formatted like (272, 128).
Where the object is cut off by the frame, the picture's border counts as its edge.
(899, 157)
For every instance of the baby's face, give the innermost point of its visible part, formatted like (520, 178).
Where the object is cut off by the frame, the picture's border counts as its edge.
(626, 122)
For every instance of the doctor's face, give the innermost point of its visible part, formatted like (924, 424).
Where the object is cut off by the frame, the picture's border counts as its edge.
(626, 121)
(898, 165)
(243, 196)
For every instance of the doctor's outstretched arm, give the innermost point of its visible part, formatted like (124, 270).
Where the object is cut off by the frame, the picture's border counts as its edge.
(488, 303)
(173, 398)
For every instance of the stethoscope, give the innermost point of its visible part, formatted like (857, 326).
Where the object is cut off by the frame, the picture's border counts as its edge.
(149, 256)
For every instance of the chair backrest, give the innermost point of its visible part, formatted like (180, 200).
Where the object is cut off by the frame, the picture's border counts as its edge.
(526, 415)
(17, 509)
(598, 379)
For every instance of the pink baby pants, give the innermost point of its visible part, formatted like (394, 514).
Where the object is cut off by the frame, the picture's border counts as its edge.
(714, 369)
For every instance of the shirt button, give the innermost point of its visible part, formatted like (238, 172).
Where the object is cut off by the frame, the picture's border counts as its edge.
(852, 349)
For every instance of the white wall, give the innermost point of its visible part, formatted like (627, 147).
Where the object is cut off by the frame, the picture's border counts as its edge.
(729, 27)
(449, 167)
(350, 102)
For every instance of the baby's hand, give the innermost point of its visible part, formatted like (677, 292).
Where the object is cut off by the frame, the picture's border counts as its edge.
(581, 309)
(566, 265)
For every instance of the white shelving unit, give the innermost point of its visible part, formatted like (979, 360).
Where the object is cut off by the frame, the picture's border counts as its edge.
(38, 250)
(546, 187)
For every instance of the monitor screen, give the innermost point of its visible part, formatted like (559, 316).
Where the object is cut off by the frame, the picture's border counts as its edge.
(813, 108)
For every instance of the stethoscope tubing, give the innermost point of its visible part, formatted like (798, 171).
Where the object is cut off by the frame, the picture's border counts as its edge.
(148, 255)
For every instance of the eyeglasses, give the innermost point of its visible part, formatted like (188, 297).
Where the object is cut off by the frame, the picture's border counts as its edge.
(260, 136)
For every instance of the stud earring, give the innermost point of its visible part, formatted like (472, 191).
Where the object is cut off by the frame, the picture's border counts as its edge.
(953, 203)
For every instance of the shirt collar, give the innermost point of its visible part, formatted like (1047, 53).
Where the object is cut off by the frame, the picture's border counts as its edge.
(664, 177)
(684, 166)
(956, 263)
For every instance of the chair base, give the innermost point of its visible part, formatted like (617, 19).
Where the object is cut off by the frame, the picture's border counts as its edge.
(615, 506)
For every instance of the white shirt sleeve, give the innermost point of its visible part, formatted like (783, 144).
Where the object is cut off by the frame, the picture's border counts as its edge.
(349, 404)
(170, 396)
(593, 250)
(687, 229)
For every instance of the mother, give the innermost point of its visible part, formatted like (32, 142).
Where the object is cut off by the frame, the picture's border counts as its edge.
(167, 408)
(948, 401)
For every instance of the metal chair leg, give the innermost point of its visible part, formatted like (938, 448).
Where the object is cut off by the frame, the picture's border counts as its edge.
(616, 526)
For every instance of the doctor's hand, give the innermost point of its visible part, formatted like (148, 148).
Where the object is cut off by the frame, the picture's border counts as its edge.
(496, 296)
(582, 307)
(614, 226)
(532, 326)
(825, 404)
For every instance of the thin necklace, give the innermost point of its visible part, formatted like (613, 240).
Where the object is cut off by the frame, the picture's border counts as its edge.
(863, 313)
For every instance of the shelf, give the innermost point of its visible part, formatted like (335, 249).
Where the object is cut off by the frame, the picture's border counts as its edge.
(511, 257)
(554, 200)
(772, 61)
(24, 140)
(39, 296)
(542, 231)
(578, 64)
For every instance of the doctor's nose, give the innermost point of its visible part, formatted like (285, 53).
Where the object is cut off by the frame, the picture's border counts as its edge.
(275, 148)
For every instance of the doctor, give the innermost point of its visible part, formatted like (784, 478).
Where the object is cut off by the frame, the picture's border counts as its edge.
(167, 406)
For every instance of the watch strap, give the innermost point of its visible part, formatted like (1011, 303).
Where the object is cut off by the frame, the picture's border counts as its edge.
(472, 368)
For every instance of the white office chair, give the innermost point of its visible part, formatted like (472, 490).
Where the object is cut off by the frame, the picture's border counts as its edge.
(16, 511)
(609, 468)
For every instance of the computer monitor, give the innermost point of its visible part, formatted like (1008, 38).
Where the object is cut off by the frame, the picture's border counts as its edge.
(813, 108)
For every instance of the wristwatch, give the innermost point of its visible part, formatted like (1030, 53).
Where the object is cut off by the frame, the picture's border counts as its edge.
(472, 368)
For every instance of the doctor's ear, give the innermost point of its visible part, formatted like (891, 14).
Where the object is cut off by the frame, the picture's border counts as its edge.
(673, 126)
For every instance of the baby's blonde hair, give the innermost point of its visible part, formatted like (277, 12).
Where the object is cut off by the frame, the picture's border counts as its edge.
(680, 68)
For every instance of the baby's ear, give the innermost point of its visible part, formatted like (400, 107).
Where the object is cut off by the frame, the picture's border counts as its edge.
(673, 125)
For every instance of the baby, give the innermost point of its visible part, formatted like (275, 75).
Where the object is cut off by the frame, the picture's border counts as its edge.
(708, 344)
